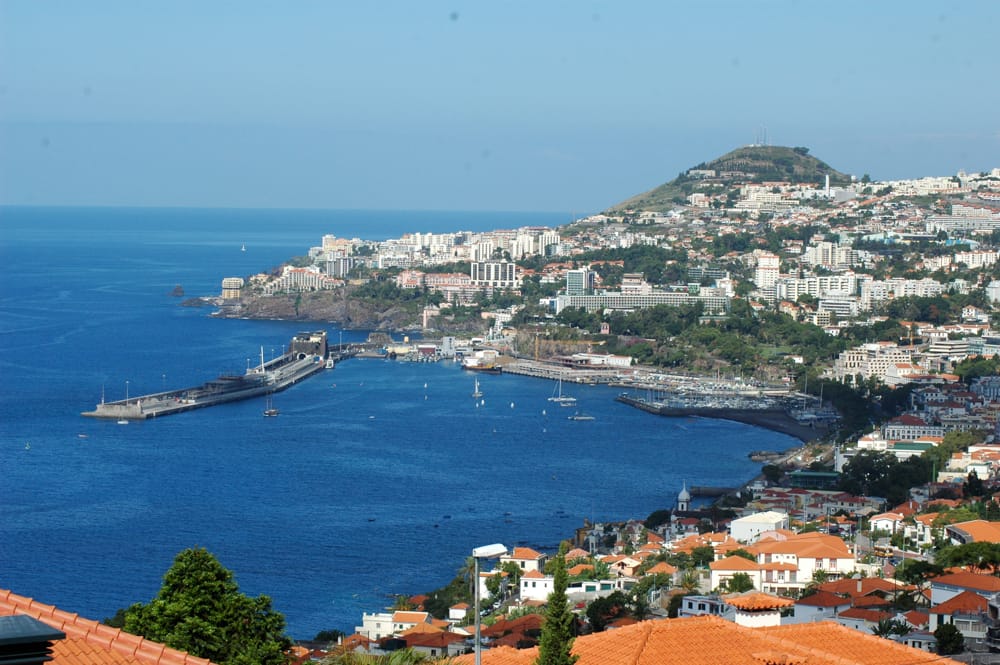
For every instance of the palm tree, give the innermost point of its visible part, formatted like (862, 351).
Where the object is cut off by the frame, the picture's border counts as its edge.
(468, 572)
(690, 581)
(888, 627)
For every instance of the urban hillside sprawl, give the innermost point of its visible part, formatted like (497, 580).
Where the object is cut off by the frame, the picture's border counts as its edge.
(764, 287)
(856, 313)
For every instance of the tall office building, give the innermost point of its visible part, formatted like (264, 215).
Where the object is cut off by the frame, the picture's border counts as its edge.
(579, 282)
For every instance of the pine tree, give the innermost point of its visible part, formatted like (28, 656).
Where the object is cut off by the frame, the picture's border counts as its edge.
(557, 632)
(199, 609)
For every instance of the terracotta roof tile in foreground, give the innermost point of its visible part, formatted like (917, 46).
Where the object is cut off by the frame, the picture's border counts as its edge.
(710, 640)
(89, 642)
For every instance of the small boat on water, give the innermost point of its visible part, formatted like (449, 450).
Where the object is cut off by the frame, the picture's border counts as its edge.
(269, 410)
(476, 392)
(560, 399)
(580, 416)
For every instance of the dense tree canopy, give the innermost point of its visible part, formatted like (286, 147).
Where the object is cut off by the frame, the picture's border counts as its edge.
(199, 609)
(949, 639)
(881, 474)
(601, 611)
(982, 555)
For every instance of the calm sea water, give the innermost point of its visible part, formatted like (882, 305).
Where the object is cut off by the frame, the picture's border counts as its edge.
(378, 478)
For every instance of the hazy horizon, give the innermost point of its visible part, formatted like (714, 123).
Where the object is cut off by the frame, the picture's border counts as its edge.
(539, 107)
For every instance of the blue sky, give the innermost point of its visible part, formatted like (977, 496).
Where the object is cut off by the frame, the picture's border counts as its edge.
(549, 106)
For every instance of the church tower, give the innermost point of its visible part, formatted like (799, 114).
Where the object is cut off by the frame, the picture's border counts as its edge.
(684, 499)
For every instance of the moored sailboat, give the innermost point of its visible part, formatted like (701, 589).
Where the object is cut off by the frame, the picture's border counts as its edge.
(560, 399)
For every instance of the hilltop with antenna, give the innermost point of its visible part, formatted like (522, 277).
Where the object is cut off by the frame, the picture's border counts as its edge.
(754, 163)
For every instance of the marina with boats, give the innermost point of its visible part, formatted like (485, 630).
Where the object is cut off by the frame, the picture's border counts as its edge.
(681, 396)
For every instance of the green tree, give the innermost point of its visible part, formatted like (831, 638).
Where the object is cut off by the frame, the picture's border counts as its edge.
(605, 609)
(674, 605)
(973, 485)
(888, 627)
(329, 636)
(820, 577)
(199, 609)
(951, 443)
(739, 583)
(980, 554)
(690, 581)
(916, 571)
(513, 573)
(657, 518)
(556, 640)
(949, 639)
(702, 555)
(772, 473)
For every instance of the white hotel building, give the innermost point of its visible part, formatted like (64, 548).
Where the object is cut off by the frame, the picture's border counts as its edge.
(713, 302)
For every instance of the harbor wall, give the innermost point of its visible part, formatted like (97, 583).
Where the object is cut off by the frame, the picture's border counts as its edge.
(776, 420)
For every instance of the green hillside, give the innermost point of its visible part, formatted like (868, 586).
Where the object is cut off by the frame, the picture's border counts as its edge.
(755, 163)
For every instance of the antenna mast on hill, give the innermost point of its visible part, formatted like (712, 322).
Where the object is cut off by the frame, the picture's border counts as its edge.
(761, 137)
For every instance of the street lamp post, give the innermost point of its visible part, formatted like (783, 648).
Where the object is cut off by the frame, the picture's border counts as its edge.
(484, 552)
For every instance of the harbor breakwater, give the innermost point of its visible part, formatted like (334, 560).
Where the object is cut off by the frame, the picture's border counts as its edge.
(774, 419)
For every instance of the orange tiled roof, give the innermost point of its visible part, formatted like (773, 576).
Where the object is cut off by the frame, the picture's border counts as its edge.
(862, 587)
(402, 616)
(980, 530)
(439, 639)
(517, 626)
(969, 581)
(662, 568)
(872, 602)
(422, 628)
(966, 601)
(734, 563)
(710, 640)
(356, 640)
(525, 553)
(91, 643)
(755, 602)
(874, 616)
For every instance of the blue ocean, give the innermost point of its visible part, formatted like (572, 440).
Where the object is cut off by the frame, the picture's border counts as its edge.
(378, 478)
